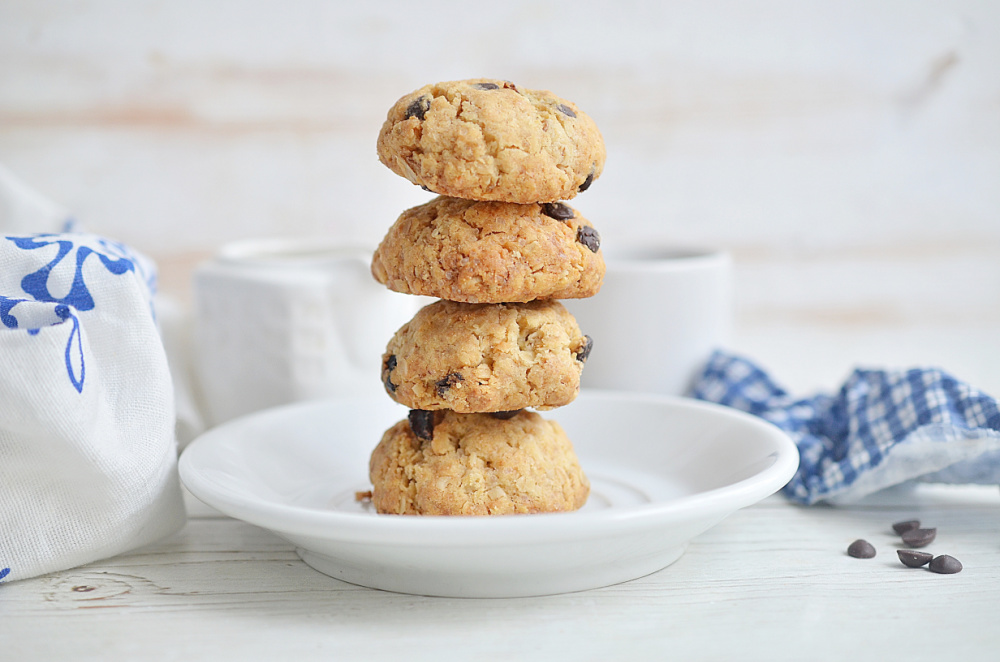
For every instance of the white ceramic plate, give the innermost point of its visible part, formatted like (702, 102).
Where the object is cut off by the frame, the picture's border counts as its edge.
(662, 470)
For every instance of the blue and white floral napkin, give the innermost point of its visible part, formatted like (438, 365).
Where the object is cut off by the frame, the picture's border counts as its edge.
(882, 428)
(88, 456)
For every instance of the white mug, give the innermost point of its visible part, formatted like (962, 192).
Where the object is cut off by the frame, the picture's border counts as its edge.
(657, 318)
(284, 320)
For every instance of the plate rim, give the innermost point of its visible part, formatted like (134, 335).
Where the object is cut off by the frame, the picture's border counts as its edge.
(476, 531)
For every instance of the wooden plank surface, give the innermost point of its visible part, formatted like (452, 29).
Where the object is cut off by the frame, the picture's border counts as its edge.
(771, 582)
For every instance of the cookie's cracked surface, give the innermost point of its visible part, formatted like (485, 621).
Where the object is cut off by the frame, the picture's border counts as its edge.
(491, 252)
(486, 357)
(477, 464)
(486, 139)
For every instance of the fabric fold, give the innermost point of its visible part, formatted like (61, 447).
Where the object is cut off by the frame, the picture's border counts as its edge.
(88, 455)
(882, 428)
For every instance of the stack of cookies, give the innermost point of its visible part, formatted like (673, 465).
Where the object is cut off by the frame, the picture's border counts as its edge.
(498, 248)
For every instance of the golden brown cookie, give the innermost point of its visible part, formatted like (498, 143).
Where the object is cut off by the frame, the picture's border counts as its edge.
(486, 139)
(491, 252)
(486, 357)
(476, 464)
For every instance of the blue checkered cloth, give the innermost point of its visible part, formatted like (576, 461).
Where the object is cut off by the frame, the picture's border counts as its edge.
(882, 428)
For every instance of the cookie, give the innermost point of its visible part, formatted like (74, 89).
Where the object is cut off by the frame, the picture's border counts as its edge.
(487, 139)
(477, 464)
(491, 252)
(486, 357)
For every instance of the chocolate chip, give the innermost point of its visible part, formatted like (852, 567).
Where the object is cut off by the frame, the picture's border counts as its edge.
(912, 558)
(919, 537)
(861, 549)
(418, 108)
(449, 381)
(902, 527)
(583, 353)
(945, 565)
(505, 415)
(426, 189)
(390, 365)
(558, 211)
(565, 110)
(588, 236)
(587, 182)
(422, 424)
(486, 86)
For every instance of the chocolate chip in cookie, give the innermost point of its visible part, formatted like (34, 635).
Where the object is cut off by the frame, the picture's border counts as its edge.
(583, 353)
(422, 424)
(449, 381)
(505, 415)
(485, 86)
(588, 236)
(565, 110)
(418, 108)
(587, 182)
(558, 211)
(387, 368)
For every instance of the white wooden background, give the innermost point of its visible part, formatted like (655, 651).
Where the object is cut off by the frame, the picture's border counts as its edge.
(847, 153)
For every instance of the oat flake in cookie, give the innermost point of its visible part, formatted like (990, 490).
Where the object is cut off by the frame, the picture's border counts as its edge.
(486, 357)
(477, 464)
(490, 252)
(486, 139)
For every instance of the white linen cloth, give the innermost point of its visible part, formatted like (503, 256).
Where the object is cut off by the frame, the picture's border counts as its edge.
(88, 455)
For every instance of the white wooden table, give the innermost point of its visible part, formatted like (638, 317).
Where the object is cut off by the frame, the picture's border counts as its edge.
(773, 582)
